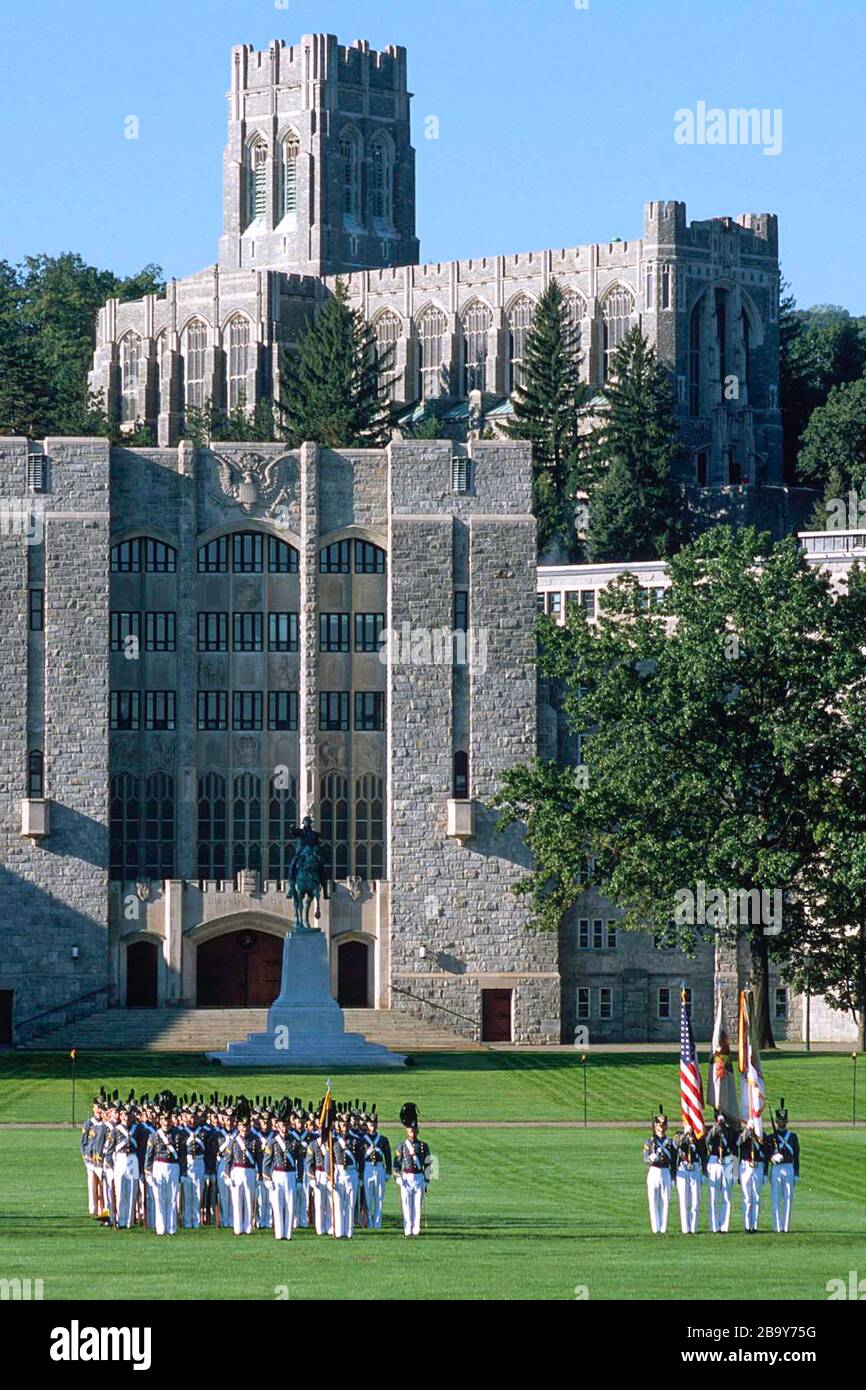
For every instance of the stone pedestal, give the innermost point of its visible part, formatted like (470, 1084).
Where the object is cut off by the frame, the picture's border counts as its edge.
(306, 1027)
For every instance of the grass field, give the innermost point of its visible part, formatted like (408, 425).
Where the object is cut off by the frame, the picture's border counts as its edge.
(483, 1086)
(514, 1215)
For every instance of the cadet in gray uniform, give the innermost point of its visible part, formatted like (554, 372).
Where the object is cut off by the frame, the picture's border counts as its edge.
(412, 1167)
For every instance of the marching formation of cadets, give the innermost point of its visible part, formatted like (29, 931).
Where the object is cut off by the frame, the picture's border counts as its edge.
(271, 1165)
(719, 1159)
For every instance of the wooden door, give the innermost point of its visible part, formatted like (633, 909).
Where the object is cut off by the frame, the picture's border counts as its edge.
(240, 970)
(496, 1015)
(352, 964)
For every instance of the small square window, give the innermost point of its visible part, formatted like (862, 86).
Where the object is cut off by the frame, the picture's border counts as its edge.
(369, 711)
(334, 710)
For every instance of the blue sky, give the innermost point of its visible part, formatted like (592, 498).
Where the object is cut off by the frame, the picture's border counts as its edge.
(556, 123)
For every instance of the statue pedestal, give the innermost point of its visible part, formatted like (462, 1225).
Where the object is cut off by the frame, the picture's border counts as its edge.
(306, 1027)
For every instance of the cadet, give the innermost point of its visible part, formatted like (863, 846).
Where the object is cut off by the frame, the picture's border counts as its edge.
(125, 1168)
(412, 1164)
(298, 1133)
(89, 1132)
(784, 1154)
(720, 1172)
(281, 1169)
(162, 1162)
(319, 1172)
(142, 1131)
(377, 1170)
(752, 1174)
(245, 1160)
(194, 1165)
(346, 1170)
(690, 1156)
(660, 1156)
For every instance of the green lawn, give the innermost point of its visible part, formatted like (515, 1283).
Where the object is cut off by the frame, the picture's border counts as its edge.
(514, 1214)
(485, 1086)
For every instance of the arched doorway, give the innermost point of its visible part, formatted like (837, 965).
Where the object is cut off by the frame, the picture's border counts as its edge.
(142, 975)
(239, 970)
(352, 975)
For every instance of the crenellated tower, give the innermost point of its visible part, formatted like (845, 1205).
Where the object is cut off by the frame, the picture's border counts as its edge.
(319, 169)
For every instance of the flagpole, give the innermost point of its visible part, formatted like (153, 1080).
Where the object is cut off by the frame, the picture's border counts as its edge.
(72, 1055)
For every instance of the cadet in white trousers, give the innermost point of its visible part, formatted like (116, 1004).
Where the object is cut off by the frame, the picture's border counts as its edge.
(690, 1178)
(245, 1156)
(377, 1170)
(163, 1166)
(345, 1180)
(752, 1173)
(281, 1160)
(125, 1171)
(659, 1154)
(784, 1153)
(412, 1170)
(318, 1166)
(719, 1173)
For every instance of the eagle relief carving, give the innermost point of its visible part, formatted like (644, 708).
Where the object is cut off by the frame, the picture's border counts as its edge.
(253, 483)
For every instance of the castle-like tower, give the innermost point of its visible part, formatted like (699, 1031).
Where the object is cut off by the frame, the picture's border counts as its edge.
(319, 169)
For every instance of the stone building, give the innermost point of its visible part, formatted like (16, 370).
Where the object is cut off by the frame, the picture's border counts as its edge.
(319, 183)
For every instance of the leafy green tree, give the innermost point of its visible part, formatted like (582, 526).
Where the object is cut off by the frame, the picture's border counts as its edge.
(548, 410)
(712, 743)
(834, 446)
(819, 348)
(331, 390)
(634, 502)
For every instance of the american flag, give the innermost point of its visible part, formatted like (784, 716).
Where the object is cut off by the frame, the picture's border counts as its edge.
(691, 1087)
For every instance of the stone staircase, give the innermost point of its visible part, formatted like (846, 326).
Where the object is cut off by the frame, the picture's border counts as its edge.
(211, 1030)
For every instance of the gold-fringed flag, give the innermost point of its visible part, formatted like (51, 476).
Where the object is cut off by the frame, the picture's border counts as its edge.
(751, 1075)
(691, 1087)
(721, 1087)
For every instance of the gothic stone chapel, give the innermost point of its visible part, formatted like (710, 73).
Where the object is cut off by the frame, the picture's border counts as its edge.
(191, 636)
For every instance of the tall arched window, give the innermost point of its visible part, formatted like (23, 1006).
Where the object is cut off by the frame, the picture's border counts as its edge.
(370, 827)
(257, 180)
(238, 354)
(291, 151)
(247, 823)
(124, 818)
(130, 371)
(461, 776)
(35, 775)
(282, 817)
(519, 323)
(476, 328)
(158, 856)
(212, 826)
(617, 310)
(432, 327)
(161, 383)
(695, 322)
(388, 329)
(334, 813)
(350, 151)
(195, 356)
(575, 313)
(383, 179)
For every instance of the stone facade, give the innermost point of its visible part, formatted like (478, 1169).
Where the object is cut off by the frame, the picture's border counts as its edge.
(319, 184)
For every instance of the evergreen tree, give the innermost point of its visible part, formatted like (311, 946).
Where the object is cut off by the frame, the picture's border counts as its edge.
(633, 502)
(548, 409)
(331, 391)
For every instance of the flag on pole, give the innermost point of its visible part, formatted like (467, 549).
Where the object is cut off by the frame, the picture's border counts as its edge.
(721, 1087)
(691, 1087)
(72, 1054)
(751, 1075)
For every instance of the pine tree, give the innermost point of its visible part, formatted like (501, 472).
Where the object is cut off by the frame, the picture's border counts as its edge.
(633, 503)
(331, 391)
(548, 408)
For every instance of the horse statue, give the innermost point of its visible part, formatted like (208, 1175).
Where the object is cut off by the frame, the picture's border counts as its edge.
(306, 886)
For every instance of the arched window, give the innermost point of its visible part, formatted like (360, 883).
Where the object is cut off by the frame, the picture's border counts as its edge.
(747, 347)
(195, 355)
(143, 553)
(130, 371)
(238, 354)
(370, 827)
(575, 313)
(461, 776)
(432, 328)
(519, 323)
(383, 179)
(158, 854)
(350, 151)
(161, 383)
(617, 310)
(282, 817)
(212, 826)
(476, 327)
(387, 329)
(125, 827)
(247, 823)
(257, 180)
(695, 358)
(282, 558)
(35, 774)
(369, 558)
(291, 151)
(334, 813)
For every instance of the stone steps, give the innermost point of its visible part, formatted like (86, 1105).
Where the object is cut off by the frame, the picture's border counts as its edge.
(211, 1030)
